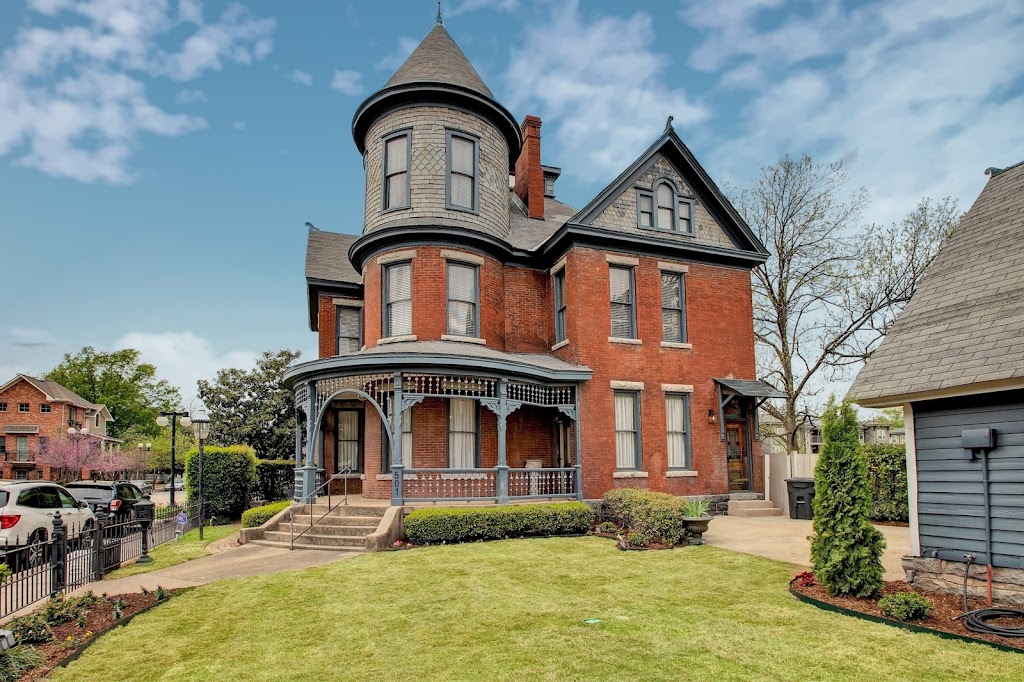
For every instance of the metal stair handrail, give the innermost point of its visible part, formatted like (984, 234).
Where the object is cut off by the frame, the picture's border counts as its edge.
(344, 473)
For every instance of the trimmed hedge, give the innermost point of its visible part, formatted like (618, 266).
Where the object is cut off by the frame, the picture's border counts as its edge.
(655, 516)
(229, 473)
(257, 516)
(275, 479)
(466, 524)
(887, 481)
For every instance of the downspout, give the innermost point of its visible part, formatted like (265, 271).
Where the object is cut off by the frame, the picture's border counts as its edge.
(986, 484)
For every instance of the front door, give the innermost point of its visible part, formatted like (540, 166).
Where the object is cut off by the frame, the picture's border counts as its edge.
(738, 455)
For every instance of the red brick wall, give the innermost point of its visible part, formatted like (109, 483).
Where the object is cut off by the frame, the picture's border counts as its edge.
(51, 424)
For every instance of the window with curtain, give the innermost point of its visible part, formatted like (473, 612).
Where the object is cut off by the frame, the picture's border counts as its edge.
(347, 453)
(463, 294)
(627, 430)
(398, 299)
(677, 413)
(673, 307)
(396, 172)
(666, 212)
(559, 290)
(462, 175)
(348, 323)
(462, 430)
(622, 302)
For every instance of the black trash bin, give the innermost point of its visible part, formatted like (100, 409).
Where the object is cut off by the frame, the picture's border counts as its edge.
(801, 497)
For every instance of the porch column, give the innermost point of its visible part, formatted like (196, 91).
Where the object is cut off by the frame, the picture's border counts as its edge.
(297, 493)
(308, 467)
(502, 469)
(396, 443)
(578, 469)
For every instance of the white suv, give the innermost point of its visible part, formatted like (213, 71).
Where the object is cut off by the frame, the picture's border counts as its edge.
(27, 509)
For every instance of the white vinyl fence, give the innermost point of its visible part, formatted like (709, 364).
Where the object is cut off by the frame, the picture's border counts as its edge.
(780, 466)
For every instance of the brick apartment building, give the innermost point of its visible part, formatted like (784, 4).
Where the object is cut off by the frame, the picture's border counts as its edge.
(483, 340)
(33, 411)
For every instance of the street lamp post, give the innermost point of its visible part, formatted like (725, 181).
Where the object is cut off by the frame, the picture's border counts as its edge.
(144, 450)
(201, 427)
(163, 420)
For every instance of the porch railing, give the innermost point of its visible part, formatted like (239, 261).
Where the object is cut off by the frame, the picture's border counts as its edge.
(541, 483)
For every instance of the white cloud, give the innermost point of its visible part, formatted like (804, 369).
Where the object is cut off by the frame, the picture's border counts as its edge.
(473, 5)
(190, 96)
(238, 125)
(396, 57)
(919, 105)
(347, 82)
(30, 338)
(182, 358)
(600, 83)
(72, 100)
(301, 77)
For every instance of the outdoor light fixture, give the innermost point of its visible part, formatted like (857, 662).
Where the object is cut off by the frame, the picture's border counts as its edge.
(712, 417)
(163, 420)
(200, 422)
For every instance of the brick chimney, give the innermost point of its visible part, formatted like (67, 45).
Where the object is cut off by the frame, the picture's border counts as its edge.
(529, 176)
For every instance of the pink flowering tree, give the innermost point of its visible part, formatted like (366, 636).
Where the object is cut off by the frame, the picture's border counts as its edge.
(70, 454)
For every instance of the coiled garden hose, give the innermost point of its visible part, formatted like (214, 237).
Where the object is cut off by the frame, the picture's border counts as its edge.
(977, 620)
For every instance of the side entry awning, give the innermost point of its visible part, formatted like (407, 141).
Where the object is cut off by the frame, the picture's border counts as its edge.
(743, 388)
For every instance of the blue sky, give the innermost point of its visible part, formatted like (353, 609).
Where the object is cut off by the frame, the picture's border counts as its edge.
(158, 160)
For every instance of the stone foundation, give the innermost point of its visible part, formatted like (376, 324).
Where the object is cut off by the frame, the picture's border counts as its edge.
(947, 577)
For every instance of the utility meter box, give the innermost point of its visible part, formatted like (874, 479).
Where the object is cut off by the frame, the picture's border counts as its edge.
(978, 439)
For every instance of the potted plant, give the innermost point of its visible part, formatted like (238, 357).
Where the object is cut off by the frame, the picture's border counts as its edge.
(696, 518)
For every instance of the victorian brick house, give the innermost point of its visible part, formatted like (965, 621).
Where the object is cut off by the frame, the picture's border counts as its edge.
(483, 340)
(32, 411)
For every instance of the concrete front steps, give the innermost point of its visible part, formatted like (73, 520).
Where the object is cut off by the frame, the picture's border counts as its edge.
(741, 508)
(345, 528)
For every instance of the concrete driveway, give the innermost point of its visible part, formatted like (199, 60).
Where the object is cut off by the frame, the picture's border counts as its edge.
(785, 539)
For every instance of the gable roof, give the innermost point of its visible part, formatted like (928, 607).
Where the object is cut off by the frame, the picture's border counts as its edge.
(437, 59)
(964, 327)
(327, 257)
(56, 393)
(673, 148)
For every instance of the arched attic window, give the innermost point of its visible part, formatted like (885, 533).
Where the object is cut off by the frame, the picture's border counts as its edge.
(664, 208)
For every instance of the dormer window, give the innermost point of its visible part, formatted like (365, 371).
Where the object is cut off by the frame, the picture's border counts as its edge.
(664, 208)
(396, 171)
(462, 187)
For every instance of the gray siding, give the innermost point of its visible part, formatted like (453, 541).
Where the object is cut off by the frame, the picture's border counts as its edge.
(951, 496)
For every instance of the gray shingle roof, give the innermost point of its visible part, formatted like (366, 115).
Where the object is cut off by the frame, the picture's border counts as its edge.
(439, 60)
(472, 350)
(529, 233)
(327, 257)
(57, 393)
(965, 323)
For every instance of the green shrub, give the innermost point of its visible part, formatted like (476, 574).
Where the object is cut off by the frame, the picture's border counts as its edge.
(257, 516)
(905, 606)
(275, 479)
(846, 549)
(657, 515)
(31, 629)
(887, 481)
(437, 526)
(60, 609)
(639, 539)
(229, 474)
(696, 509)
(17, 661)
(607, 527)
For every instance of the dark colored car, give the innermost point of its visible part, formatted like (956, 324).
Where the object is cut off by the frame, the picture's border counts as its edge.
(114, 497)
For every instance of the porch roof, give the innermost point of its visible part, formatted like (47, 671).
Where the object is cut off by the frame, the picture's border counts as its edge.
(445, 355)
(751, 388)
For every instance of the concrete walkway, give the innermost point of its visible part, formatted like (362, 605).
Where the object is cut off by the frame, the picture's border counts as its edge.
(778, 537)
(227, 561)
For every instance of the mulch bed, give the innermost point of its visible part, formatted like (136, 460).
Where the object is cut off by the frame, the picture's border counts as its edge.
(947, 607)
(898, 524)
(70, 640)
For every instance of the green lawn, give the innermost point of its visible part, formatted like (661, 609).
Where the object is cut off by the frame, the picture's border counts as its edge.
(177, 551)
(514, 610)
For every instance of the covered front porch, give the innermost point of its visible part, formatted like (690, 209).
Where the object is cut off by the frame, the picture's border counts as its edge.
(414, 435)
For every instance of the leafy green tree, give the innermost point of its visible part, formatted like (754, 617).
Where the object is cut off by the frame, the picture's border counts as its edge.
(129, 388)
(846, 549)
(159, 457)
(253, 407)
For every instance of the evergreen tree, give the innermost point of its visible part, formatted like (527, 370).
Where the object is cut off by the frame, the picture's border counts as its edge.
(846, 549)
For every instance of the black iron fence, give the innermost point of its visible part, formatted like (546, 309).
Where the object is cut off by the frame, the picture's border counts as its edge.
(72, 557)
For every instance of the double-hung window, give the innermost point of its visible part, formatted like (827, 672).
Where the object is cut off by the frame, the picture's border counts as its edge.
(677, 413)
(558, 284)
(463, 190)
(623, 302)
(462, 433)
(463, 300)
(348, 455)
(673, 307)
(663, 208)
(627, 430)
(22, 407)
(398, 299)
(666, 211)
(349, 325)
(396, 171)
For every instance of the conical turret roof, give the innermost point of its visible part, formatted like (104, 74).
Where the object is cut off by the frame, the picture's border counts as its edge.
(439, 60)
